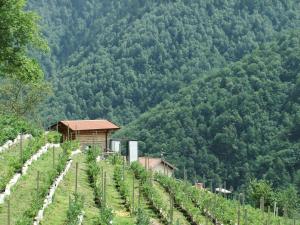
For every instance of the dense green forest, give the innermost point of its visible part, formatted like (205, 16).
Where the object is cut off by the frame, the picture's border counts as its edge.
(117, 59)
(236, 124)
(120, 59)
(213, 86)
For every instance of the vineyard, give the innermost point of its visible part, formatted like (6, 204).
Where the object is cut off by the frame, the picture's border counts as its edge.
(44, 182)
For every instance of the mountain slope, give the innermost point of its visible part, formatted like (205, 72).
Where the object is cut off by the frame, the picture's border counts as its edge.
(117, 59)
(234, 124)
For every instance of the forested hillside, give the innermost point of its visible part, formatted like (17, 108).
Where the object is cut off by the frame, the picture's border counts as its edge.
(117, 59)
(236, 124)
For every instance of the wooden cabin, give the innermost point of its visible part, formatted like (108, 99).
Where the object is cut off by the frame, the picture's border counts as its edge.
(87, 132)
(157, 165)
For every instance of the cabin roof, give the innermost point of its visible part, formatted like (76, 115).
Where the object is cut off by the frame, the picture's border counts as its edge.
(153, 162)
(77, 125)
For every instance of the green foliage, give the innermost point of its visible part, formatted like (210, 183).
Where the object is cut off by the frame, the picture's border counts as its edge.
(69, 146)
(288, 200)
(75, 209)
(142, 218)
(219, 208)
(28, 216)
(54, 137)
(116, 59)
(15, 163)
(122, 187)
(94, 173)
(260, 189)
(19, 32)
(22, 85)
(235, 124)
(11, 126)
(150, 193)
(106, 216)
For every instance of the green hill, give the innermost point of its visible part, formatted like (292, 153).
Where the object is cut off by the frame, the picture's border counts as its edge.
(117, 59)
(235, 124)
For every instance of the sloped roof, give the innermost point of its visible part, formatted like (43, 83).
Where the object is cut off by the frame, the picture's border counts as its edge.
(153, 162)
(76, 125)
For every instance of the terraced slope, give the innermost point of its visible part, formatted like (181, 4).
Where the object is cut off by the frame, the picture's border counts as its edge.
(23, 198)
(60, 204)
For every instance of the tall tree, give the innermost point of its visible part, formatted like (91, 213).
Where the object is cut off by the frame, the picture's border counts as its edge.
(22, 79)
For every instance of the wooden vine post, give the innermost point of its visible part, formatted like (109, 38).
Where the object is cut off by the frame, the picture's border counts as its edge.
(37, 184)
(262, 207)
(76, 178)
(171, 208)
(246, 217)
(123, 169)
(268, 216)
(239, 211)
(68, 139)
(133, 194)
(70, 201)
(102, 184)
(104, 191)
(8, 212)
(21, 149)
(139, 197)
(53, 157)
(275, 206)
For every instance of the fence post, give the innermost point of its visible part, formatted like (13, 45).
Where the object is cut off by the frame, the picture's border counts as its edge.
(239, 211)
(37, 183)
(53, 158)
(8, 212)
(76, 178)
(21, 148)
(133, 194)
(246, 217)
(139, 198)
(104, 189)
(268, 217)
(275, 206)
(262, 208)
(123, 168)
(102, 184)
(171, 208)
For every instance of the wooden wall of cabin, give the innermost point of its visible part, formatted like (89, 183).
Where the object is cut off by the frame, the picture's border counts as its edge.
(90, 138)
(87, 137)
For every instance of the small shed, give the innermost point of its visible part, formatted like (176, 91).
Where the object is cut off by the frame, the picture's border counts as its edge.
(87, 132)
(158, 165)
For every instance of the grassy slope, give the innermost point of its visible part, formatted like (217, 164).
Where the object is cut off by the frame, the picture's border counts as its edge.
(25, 189)
(6, 171)
(59, 206)
(166, 198)
(144, 203)
(114, 199)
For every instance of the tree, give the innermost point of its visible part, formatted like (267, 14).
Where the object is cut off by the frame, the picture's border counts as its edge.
(22, 80)
(260, 189)
(288, 200)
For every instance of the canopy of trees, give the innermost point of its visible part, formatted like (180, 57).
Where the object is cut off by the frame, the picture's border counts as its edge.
(117, 59)
(236, 124)
(22, 84)
(188, 76)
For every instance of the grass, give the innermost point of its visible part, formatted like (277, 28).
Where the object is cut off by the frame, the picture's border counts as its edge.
(143, 202)
(66, 188)
(6, 158)
(178, 216)
(114, 200)
(24, 192)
